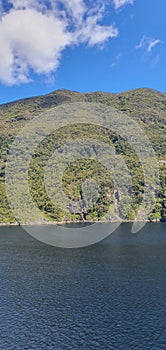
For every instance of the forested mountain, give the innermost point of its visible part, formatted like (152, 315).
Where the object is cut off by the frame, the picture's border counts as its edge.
(147, 107)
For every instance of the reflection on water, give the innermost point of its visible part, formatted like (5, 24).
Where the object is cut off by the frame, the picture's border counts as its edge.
(107, 296)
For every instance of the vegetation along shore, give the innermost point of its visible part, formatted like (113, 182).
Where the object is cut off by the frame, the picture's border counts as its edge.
(147, 107)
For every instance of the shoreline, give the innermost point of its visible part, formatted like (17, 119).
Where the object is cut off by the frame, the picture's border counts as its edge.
(45, 223)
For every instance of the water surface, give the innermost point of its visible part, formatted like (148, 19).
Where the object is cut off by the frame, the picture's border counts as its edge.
(111, 295)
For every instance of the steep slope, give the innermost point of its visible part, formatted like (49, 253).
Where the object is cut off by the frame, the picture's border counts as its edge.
(147, 107)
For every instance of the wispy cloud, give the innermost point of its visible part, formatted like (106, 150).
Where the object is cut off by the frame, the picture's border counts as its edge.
(120, 3)
(116, 60)
(34, 34)
(153, 43)
(148, 43)
(155, 61)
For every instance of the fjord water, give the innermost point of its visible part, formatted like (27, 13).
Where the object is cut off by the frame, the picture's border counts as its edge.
(107, 296)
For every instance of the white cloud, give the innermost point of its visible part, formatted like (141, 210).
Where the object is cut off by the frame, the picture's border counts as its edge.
(148, 43)
(77, 8)
(152, 43)
(120, 3)
(99, 34)
(33, 36)
(30, 40)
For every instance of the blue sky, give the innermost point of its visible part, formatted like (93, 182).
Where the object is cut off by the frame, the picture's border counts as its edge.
(108, 45)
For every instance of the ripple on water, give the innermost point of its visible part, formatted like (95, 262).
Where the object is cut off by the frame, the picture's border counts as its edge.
(107, 296)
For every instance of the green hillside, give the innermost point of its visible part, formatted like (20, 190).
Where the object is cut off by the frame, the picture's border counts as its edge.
(147, 107)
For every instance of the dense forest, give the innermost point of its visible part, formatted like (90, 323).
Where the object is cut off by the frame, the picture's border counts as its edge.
(147, 107)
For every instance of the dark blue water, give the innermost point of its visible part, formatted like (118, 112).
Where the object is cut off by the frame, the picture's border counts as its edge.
(108, 296)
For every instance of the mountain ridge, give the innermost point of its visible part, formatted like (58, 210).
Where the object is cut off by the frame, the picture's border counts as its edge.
(62, 90)
(146, 106)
